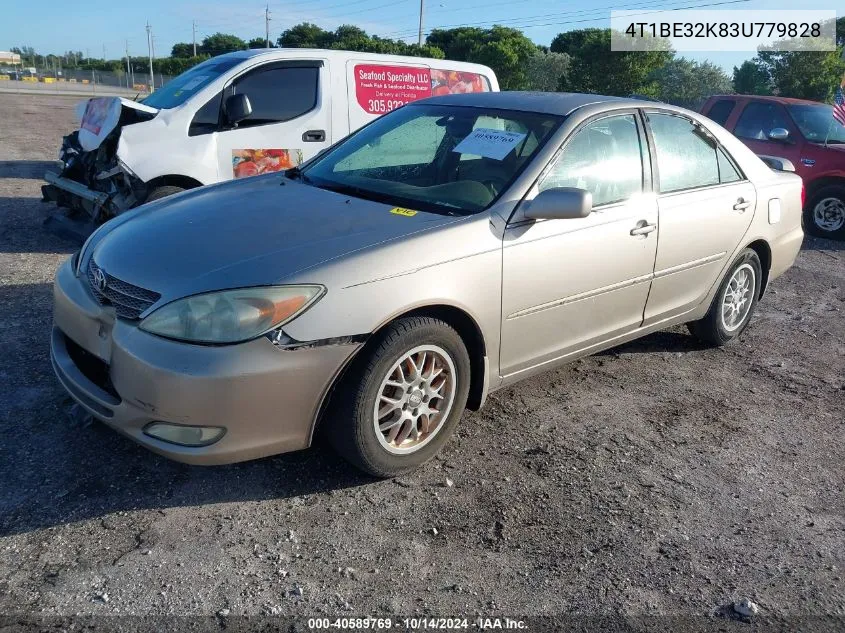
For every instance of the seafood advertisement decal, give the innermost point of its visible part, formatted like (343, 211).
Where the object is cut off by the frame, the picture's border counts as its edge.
(380, 89)
(254, 162)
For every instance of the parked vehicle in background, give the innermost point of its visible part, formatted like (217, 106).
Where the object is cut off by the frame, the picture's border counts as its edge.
(803, 132)
(236, 115)
(453, 247)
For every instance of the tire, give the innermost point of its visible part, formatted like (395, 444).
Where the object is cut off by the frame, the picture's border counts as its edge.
(163, 192)
(824, 213)
(718, 328)
(352, 417)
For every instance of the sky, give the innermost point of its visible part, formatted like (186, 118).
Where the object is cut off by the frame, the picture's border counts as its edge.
(53, 26)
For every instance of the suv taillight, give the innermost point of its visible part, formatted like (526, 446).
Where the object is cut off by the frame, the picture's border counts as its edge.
(803, 194)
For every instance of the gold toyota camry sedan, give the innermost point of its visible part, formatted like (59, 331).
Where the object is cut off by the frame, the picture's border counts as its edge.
(450, 248)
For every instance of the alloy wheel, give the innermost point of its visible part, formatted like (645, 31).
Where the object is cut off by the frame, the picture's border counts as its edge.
(829, 214)
(414, 399)
(738, 296)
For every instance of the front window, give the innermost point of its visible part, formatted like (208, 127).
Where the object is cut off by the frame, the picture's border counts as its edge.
(443, 159)
(758, 119)
(181, 88)
(817, 124)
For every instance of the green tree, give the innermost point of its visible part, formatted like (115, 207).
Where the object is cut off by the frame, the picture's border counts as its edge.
(220, 43)
(182, 49)
(306, 35)
(504, 49)
(687, 83)
(751, 78)
(260, 42)
(594, 68)
(545, 70)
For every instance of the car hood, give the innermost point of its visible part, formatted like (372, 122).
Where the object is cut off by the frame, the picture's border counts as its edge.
(257, 231)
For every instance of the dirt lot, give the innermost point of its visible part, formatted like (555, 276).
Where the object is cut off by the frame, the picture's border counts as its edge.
(658, 479)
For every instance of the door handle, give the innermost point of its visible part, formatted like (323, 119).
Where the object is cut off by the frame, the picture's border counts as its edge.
(741, 205)
(314, 136)
(643, 228)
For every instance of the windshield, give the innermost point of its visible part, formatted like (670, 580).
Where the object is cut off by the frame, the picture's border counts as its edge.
(443, 159)
(179, 89)
(817, 124)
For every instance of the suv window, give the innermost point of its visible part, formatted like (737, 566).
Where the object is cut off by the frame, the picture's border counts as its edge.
(759, 118)
(685, 159)
(721, 110)
(278, 93)
(604, 157)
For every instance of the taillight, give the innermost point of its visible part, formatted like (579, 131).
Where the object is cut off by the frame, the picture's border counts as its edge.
(803, 194)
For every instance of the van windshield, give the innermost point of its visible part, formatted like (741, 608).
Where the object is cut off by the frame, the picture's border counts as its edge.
(442, 159)
(817, 124)
(181, 88)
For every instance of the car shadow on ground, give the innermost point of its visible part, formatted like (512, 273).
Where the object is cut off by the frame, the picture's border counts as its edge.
(821, 244)
(57, 466)
(23, 230)
(676, 340)
(33, 169)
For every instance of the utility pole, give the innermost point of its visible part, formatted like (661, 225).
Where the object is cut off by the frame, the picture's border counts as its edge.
(150, 51)
(194, 33)
(267, 24)
(128, 70)
(104, 52)
(422, 8)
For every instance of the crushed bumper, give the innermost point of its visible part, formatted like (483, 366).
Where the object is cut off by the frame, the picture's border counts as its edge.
(265, 397)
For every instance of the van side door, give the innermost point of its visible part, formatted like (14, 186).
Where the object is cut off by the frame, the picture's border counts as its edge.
(290, 119)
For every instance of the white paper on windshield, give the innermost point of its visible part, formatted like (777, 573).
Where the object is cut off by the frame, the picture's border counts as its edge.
(489, 143)
(196, 81)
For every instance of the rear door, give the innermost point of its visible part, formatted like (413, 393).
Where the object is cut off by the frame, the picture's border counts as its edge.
(289, 122)
(705, 204)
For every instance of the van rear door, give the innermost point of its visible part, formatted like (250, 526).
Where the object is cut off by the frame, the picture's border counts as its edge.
(290, 120)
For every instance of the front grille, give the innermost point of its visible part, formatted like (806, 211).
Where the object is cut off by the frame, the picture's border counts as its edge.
(94, 369)
(129, 301)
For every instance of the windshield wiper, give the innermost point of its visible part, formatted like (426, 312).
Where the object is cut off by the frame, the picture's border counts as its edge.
(295, 172)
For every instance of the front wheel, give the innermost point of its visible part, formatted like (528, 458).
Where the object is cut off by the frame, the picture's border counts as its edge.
(824, 215)
(734, 303)
(399, 403)
(163, 191)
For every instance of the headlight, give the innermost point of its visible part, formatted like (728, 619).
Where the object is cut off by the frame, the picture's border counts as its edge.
(231, 316)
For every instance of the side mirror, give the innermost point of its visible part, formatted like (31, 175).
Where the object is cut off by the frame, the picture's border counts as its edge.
(560, 203)
(237, 109)
(778, 134)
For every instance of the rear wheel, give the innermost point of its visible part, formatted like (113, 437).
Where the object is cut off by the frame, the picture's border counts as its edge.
(400, 402)
(734, 303)
(824, 215)
(163, 191)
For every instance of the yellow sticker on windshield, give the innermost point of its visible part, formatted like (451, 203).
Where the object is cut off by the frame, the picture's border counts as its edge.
(408, 213)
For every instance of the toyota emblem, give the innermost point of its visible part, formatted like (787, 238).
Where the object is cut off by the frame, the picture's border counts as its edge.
(100, 279)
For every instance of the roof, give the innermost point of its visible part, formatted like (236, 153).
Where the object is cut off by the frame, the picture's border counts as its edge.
(330, 53)
(781, 100)
(559, 103)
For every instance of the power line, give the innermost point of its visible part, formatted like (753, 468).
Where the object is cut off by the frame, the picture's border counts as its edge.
(526, 22)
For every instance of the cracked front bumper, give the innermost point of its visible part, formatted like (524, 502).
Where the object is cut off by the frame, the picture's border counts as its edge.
(265, 397)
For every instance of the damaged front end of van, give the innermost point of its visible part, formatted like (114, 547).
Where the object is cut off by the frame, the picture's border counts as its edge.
(94, 182)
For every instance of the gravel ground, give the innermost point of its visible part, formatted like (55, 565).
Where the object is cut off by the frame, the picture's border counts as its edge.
(659, 478)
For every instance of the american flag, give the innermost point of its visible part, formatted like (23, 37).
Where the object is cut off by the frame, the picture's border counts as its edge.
(839, 106)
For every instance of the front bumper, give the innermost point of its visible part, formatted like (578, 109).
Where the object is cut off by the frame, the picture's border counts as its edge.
(267, 398)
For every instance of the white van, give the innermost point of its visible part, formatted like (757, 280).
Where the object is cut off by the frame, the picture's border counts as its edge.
(236, 115)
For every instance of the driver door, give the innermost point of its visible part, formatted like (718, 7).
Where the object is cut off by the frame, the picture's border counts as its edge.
(568, 284)
(289, 122)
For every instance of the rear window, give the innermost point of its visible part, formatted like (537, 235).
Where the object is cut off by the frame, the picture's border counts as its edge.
(721, 111)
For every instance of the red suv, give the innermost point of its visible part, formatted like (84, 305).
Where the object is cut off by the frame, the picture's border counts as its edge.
(804, 132)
